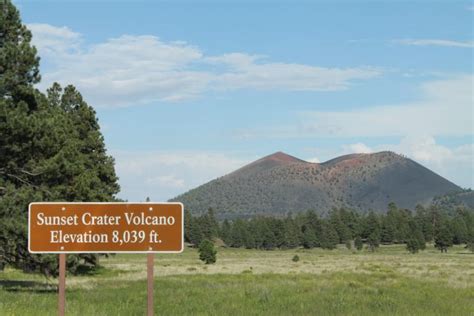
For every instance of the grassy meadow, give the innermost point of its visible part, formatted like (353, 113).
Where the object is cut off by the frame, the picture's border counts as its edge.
(252, 282)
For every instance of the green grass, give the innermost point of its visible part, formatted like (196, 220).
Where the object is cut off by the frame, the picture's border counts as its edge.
(250, 282)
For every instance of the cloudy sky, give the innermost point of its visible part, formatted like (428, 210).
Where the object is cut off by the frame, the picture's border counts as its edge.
(186, 91)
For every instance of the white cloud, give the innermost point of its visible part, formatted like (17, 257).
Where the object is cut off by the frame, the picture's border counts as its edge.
(435, 42)
(247, 71)
(358, 148)
(234, 60)
(130, 70)
(313, 160)
(454, 163)
(52, 40)
(425, 149)
(170, 181)
(445, 108)
(163, 175)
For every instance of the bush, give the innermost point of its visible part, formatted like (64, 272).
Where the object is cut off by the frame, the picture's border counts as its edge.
(348, 244)
(358, 244)
(470, 242)
(207, 252)
(412, 245)
(444, 238)
(373, 241)
(470, 246)
(296, 258)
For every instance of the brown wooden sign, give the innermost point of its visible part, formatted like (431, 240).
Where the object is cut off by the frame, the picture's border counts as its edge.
(105, 227)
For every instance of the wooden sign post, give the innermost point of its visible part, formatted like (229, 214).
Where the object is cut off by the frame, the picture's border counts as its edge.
(149, 273)
(62, 285)
(63, 227)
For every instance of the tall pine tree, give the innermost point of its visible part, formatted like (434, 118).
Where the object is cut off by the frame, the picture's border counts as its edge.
(51, 148)
(19, 63)
(443, 237)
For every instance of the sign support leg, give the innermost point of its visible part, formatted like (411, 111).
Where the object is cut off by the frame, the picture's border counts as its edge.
(150, 259)
(62, 284)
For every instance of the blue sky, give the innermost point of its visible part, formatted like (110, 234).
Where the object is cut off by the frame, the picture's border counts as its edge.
(188, 91)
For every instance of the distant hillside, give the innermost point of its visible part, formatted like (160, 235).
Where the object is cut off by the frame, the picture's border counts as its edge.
(452, 201)
(280, 183)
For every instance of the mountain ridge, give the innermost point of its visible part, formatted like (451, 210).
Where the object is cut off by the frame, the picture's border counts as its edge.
(280, 183)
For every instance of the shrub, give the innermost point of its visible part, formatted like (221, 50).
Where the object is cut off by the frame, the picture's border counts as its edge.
(470, 246)
(296, 258)
(348, 244)
(207, 252)
(373, 241)
(358, 243)
(470, 242)
(412, 245)
(444, 239)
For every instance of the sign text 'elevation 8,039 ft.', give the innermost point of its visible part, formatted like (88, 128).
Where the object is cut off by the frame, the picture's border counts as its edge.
(105, 227)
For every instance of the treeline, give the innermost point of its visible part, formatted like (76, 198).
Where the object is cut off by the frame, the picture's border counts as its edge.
(340, 226)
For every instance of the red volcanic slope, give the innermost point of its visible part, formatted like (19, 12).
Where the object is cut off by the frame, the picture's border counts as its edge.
(280, 183)
(279, 157)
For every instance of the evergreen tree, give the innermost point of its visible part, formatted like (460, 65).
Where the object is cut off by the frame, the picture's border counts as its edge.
(257, 232)
(395, 227)
(329, 237)
(416, 239)
(237, 233)
(434, 219)
(225, 232)
(372, 230)
(269, 240)
(87, 171)
(249, 236)
(207, 252)
(51, 148)
(387, 234)
(311, 229)
(348, 244)
(196, 234)
(351, 220)
(311, 219)
(371, 224)
(412, 245)
(279, 231)
(470, 245)
(402, 233)
(343, 231)
(292, 233)
(187, 225)
(373, 241)
(309, 237)
(470, 241)
(210, 226)
(358, 243)
(443, 238)
(459, 229)
(19, 64)
(424, 221)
